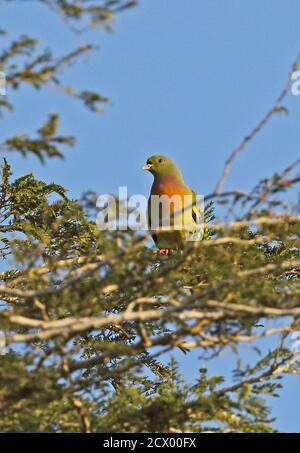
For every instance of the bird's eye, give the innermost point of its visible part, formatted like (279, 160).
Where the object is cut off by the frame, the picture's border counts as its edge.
(160, 161)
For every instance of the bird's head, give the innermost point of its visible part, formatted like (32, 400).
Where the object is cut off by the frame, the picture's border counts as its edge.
(162, 166)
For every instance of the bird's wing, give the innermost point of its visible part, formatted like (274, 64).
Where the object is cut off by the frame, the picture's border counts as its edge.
(196, 214)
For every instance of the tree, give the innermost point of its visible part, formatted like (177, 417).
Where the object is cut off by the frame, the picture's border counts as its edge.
(88, 315)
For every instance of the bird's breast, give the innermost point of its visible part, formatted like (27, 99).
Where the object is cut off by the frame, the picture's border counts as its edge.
(168, 186)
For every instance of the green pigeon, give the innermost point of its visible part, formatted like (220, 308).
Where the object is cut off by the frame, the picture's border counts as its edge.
(183, 212)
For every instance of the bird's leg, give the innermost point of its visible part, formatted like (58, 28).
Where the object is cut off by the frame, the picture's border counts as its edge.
(166, 252)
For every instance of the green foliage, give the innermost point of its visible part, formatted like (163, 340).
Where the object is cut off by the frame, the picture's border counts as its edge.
(45, 145)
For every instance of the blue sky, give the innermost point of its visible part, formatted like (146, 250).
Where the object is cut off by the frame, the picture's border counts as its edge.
(186, 78)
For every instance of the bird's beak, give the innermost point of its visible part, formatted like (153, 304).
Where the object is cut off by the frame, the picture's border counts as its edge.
(147, 167)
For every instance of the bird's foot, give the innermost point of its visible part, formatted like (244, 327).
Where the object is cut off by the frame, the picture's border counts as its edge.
(165, 252)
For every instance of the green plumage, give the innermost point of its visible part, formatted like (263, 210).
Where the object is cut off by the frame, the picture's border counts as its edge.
(184, 214)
